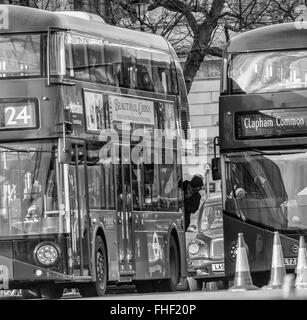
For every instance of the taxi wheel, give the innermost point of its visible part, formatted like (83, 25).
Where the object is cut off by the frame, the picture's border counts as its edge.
(97, 288)
(52, 292)
(195, 284)
(174, 268)
(31, 293)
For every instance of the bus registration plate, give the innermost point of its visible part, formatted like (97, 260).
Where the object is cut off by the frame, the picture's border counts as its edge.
(290, 261)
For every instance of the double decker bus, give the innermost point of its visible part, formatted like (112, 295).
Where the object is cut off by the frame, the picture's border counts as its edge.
(82, 204)
(263, 150)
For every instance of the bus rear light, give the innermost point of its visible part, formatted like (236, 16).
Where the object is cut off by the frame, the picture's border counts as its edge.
(47, 253)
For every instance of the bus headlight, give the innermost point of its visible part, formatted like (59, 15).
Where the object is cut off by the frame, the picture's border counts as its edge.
(47, 253)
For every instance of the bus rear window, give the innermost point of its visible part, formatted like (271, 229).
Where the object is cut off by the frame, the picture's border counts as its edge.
(259, 72)
(20, 55)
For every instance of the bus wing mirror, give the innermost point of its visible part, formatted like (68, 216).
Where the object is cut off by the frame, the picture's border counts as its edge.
(216, 168)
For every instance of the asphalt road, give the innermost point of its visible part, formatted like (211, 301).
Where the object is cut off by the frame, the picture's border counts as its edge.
(129, 293)
(262, 294)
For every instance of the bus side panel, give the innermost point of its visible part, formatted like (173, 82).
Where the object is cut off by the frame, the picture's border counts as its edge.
(151, 244)
(151, 247)
(111, 238)
(108, 219)
(150, 255)
(254, 239)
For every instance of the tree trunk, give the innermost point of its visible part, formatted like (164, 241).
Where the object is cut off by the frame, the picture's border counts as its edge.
(201, 43)
(198, 52)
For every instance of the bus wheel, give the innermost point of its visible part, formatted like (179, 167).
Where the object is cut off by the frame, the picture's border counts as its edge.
(52, 292)
(171, 283)
(97, 288)
(31, 293)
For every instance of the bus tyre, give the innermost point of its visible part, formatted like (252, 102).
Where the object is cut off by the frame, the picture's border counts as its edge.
(51, 292)
(174, 268)
(97, 288)
(31, 293)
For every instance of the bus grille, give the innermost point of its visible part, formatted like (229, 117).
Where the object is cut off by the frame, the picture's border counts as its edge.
(217, 249)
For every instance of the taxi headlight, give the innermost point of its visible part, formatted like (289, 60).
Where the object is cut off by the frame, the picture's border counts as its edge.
(193, 248)
(47, 253)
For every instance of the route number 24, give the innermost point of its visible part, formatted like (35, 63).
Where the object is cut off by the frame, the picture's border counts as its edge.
(17, 116)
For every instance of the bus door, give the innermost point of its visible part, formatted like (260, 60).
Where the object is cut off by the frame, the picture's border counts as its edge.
(76, 183)
(124, 216)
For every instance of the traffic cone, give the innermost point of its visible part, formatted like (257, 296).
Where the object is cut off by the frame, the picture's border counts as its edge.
(300, 281)
(243, 280)
(278, 269)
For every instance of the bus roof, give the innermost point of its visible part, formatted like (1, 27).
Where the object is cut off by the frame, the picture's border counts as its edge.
(26, 19)
(274, 37)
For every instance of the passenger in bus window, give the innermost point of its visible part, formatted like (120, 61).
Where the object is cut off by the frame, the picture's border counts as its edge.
(97, 71)
(144, 80)
(34, 204)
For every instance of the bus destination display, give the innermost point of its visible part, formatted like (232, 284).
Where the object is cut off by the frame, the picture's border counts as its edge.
(276, 123)
(18, 114)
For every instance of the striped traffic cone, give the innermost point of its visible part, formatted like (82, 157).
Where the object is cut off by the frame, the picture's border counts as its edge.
(300, 281)
(278, 269)
(243, 280)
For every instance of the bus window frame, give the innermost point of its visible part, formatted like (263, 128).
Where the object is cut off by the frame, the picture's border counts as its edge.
(171, 71)
(41, 55)
(229, 82)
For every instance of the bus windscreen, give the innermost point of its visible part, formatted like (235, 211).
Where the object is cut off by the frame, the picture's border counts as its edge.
(273, 71)
(273, 188)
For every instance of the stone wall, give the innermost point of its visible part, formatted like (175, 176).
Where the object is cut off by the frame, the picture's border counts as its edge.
(203, 102)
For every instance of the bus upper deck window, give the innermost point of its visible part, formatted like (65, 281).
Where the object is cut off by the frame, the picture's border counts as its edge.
(68, 56)
(96, 61)
(173, 89)
(161, 71)
(144, 71)
(80, 57)
(129, 67)
(57, 54)
(113, 61)
(20, 55)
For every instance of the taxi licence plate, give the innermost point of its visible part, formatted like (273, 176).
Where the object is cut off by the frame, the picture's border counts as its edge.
(218, 267)
(290, 261)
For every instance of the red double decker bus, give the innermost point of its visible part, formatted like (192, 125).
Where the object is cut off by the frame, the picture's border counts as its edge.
(263, 127)
(75, 209)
